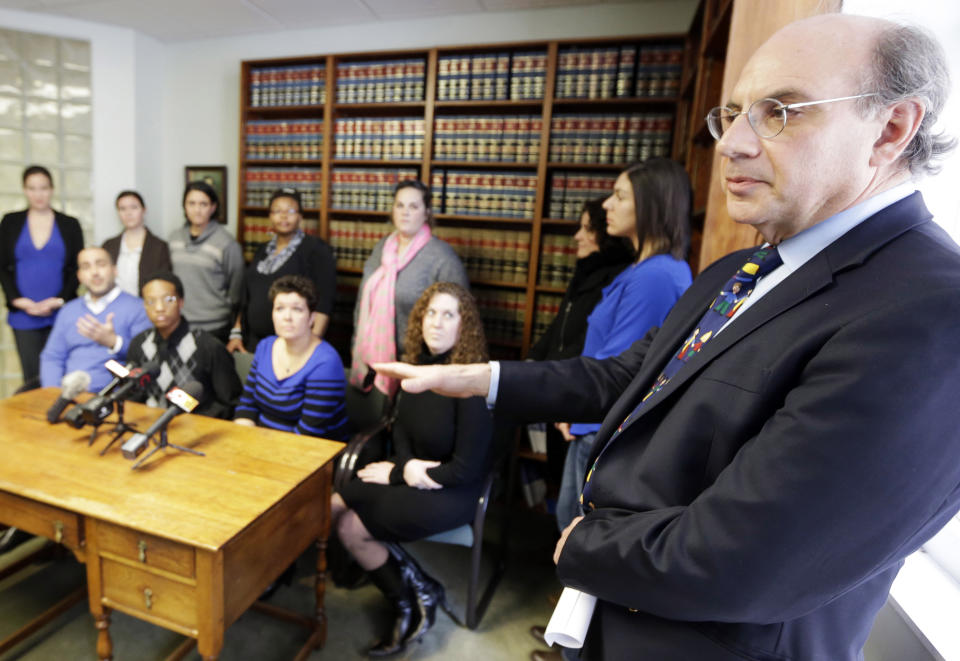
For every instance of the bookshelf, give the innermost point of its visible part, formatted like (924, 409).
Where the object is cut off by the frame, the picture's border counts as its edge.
(512, 138)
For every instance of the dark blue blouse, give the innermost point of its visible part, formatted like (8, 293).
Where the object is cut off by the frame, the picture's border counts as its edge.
(39, 275)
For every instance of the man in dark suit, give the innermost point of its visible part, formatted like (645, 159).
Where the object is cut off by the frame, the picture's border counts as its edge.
(757, 502)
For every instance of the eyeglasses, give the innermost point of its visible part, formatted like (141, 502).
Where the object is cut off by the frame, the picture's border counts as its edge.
(767, 117)
(284, 212)
(169, 299)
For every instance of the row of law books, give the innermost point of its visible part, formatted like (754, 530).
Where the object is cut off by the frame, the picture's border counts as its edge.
(558, 259)
(296, 85)
(502, 313)
(490, 255)
(260, 184)
(353, 240)
(491, 76)
(479, 193)
(283, 139)
(510, 139)
(367, 189)
(604, 72)
(546, 308)
(383, 81)
(610, 138)
(386, 138)
(570, 190)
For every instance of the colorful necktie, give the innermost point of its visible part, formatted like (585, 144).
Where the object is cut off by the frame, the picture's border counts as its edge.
(721, 310)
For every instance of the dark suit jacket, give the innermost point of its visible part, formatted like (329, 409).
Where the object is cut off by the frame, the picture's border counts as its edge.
(763, 502)
(10, 228)
(154, 258)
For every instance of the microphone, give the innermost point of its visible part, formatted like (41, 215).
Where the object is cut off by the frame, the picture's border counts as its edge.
(137, 378)
(96, 409)
(184, 399)
(119, 372)
(71, 385)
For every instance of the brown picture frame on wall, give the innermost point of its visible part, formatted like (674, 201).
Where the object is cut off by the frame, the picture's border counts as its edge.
(216, 177)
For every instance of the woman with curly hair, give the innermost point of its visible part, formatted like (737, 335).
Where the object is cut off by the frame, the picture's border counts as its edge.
(441, 454)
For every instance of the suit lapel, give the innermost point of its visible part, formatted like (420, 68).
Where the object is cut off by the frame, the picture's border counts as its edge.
(848, 251)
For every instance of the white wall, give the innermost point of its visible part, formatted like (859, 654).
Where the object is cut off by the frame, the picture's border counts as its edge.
(147, 174)
(201, 113)
(941, 192)
(114, 117)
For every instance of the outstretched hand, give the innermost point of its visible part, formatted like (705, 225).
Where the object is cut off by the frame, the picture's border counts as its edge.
(91, 328)
(447, 380)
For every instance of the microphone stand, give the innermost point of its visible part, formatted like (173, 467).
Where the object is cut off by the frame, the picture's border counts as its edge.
(162, 443)
(120, 428)
(94, 430)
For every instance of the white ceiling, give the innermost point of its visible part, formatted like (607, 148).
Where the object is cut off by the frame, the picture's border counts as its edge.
(183, 20)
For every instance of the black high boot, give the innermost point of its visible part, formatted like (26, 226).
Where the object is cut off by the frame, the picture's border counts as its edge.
(390, 580)
(428, 591)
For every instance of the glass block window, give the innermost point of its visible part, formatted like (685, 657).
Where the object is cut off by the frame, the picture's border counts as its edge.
(45, 118)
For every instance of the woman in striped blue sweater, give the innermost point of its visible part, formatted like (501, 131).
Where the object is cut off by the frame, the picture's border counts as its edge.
(296, 382)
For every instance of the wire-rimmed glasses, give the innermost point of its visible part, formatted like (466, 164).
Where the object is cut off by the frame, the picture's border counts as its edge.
(767, 117)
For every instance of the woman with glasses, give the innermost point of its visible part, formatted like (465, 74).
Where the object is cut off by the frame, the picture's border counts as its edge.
(209, 260)
(136, 251)
(290, 252)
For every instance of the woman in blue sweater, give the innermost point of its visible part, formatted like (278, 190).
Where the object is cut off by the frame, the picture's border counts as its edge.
(296, 382)
(650, 207)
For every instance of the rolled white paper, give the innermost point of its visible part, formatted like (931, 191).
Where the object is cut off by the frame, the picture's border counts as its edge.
(571, 618)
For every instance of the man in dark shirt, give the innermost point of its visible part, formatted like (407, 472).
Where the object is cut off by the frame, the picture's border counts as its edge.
(184, 354)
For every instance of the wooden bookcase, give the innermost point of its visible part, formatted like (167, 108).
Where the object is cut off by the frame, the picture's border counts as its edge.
(577, 130)
(700, 90)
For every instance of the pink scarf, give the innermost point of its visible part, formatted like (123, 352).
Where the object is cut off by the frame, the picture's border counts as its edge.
(375, 333)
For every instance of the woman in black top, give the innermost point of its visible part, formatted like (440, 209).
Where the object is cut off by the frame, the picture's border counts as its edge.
(600, 257)
(432, 481)
(136, 251)
(38, 266)
(289, 252)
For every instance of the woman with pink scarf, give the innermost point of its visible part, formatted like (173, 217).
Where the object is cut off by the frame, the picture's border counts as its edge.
(401, 266)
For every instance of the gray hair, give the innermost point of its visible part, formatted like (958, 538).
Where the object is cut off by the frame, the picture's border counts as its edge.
(909, 62)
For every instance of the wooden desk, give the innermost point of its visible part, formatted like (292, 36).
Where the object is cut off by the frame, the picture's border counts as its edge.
(185, 542)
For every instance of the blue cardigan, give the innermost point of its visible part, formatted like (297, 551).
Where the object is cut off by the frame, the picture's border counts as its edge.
(67, 350)
(637, 300)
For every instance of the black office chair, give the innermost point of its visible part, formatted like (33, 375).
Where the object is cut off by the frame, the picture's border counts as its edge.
(470, 535)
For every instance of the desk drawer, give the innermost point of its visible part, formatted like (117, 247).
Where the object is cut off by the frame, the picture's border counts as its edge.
(60, 525)
(151, 551)
(155, 597)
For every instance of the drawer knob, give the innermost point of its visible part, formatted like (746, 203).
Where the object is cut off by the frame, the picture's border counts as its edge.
(142, 548)
(148, 598)
(58, 531)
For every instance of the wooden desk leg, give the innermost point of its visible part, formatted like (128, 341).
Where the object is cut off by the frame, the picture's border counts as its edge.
(320, 587)
(210, 603)
(104, 644)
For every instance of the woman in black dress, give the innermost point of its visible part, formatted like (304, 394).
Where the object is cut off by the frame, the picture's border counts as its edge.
(289, 252)
(432, 481)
